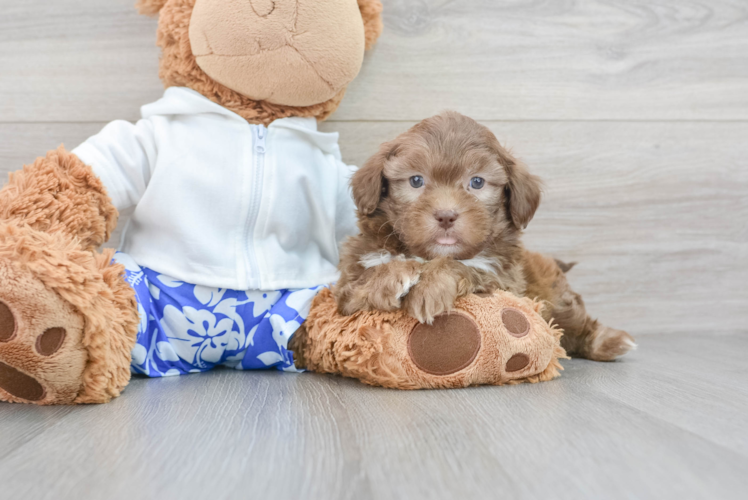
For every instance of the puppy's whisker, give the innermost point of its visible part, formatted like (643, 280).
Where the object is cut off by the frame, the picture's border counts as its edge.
(388, 237)
(383, 224)
(393, 232)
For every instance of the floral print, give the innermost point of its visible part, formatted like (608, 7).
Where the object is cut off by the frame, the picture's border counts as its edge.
(190, 328)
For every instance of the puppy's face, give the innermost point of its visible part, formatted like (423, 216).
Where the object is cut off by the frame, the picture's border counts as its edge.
(442, 198)
(447, 188)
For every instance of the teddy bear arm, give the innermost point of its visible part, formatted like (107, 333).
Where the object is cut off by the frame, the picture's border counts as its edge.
(58, 193)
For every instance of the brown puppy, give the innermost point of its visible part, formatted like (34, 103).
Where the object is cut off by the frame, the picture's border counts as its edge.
(441, 210)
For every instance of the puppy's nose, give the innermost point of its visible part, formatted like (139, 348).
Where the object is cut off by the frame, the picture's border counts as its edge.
(446, 218)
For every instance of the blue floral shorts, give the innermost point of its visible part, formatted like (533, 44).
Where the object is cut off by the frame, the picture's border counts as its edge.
(189, 328)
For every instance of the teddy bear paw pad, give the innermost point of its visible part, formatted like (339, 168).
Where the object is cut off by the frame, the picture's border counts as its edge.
(42, 358)
(515, 322)
(50, 341)
(20, 385)
(13, 381)
(447, 346)
(7, 323)
(517, 362)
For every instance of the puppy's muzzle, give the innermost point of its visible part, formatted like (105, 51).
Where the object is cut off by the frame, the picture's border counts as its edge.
(446, 218)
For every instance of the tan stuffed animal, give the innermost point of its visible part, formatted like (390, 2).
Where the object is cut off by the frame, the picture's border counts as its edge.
(497, 339)
(239, 203)
(204, 169)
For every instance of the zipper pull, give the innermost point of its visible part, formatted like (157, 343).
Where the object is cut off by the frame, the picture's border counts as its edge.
(260, 134)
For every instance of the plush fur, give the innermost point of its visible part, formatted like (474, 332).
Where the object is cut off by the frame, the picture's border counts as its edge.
(53, 214)
(56, 212)
(58, 193)
(71, 287)
(448, 238)
(372, 346)
(150, 7)
(178, 66)
(371, 13)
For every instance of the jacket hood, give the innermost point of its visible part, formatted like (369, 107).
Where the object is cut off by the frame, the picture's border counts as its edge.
(185, 101)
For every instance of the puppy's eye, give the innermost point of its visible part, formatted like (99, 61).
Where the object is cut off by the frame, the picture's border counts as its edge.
(477, 182)
(416, 181)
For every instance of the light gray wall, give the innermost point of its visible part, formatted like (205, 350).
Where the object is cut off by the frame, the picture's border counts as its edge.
(634, 113)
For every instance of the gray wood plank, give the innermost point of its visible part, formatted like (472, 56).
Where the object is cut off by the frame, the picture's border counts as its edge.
(22, 143)
(557, 60)
(82, 60)
(94, 60)
(656, 213)
(673, 378)
(274, 435)
(34, 423)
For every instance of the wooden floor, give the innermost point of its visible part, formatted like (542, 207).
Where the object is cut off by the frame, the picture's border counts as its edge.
(635, 113)
(668, 422)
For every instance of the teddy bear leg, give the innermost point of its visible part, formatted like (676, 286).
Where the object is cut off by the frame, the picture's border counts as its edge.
(493, 339)
(583, 336)
(41, 351)
(67, 321)
(296, 346)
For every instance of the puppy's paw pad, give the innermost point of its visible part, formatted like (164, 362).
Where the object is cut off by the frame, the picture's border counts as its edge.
(610, 343)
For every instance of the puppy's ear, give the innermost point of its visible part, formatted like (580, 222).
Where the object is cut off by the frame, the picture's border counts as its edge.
(368, 183)
(523, 191)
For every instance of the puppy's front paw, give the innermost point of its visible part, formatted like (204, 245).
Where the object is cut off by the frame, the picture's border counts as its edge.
(609, 343)
(428, 300)
(386, 289)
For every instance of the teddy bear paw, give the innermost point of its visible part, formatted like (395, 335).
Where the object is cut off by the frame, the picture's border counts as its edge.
(454, 342)
(41, 353)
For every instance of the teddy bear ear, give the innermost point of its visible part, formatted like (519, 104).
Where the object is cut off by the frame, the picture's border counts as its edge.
(150, 7)
(371, 12)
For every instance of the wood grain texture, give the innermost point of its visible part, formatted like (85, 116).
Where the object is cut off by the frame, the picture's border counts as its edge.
(655, 213)
(558, 60)
(635, 113)
(93, 60)
(76, 60)
(646, 427)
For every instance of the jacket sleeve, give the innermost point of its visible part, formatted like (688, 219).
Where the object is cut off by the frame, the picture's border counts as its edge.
(346, 209)
(123, 156)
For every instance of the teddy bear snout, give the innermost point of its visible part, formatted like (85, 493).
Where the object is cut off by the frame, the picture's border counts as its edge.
(277, 50)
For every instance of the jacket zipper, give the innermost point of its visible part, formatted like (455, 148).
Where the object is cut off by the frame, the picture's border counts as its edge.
(258, 153)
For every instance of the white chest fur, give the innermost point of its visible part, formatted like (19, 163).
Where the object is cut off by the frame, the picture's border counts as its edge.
(374, 259)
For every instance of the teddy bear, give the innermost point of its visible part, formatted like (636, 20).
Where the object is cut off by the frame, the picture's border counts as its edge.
(486, 339)
(238, 207)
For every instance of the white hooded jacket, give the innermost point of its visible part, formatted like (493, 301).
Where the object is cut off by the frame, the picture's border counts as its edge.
(222, 203)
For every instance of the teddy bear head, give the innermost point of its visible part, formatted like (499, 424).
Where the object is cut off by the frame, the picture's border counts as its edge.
(265, 59)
